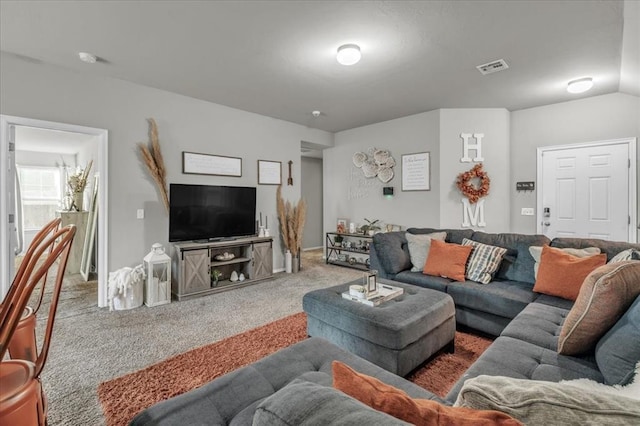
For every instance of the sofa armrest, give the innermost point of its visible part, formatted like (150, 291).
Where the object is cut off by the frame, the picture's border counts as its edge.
(389, 254)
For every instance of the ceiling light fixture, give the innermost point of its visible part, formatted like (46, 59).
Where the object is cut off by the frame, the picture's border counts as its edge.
(348, 54)
(87, 57)
(580, 85)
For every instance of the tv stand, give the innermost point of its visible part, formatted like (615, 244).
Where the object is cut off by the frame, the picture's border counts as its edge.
(193, 264)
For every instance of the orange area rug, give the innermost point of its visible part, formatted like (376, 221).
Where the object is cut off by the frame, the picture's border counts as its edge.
(123, 397)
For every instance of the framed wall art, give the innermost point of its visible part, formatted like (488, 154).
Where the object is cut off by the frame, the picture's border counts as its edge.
(416, 172)
(208, 164)
(269, 172)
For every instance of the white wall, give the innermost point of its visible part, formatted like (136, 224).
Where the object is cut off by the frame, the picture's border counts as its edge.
(494, 124)
(40, 91)
(311, 189)
(603, 117)
(348, 194)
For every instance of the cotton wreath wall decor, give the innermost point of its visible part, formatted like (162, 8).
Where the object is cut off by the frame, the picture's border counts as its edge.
(376, 162)
(467, 185)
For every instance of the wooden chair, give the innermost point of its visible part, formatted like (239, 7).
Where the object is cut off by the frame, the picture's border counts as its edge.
(22, 401)
(23, 343)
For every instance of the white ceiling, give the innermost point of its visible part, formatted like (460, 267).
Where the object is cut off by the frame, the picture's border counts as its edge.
(277, 58)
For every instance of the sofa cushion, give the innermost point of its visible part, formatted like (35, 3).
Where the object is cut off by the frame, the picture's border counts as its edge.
(543, 403)
(517, 264)
(419, 248)
(619, 349)
(502, 298)
(605, 295)
(628, 254)
(453, 235)
(447, 260)
(539, 324)
(304, 403)
(523, 360)
(421, 280)
(610, 248)
(558, 302)
(562, 275)
(484, 261)
(392, 251)
(536, 252)
(421, 412)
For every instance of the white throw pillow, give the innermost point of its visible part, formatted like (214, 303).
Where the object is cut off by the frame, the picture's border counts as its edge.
(628, 254)
(536, 252)
(419, 245)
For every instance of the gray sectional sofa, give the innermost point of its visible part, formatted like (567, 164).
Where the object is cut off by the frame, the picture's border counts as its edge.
(293, 386)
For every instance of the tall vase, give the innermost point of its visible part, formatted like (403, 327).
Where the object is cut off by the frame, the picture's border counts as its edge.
(287, 262)
(78, 200)
(295, 263)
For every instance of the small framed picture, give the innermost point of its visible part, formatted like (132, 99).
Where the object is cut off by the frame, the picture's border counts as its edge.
(370, 281)
(342, 226)
(269, 172)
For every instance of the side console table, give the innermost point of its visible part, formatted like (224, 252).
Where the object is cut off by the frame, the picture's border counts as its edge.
(193, 264)
(348, 250)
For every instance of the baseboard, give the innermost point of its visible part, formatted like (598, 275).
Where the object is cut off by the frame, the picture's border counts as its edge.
(275, 271)
(312, 248)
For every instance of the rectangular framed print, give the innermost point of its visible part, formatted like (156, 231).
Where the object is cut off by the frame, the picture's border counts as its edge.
(416, 172)
(269, 172)
(208, 164)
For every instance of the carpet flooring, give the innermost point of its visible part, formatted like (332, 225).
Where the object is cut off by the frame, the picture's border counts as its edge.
(125, 396)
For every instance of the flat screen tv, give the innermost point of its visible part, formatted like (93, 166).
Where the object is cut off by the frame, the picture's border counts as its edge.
(205, 212)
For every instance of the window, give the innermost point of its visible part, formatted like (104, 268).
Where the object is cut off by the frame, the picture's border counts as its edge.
(41, 192)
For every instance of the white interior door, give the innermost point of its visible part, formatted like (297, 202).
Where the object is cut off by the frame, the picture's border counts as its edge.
(586, 191)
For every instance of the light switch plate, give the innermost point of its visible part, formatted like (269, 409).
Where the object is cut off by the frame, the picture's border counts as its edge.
(527, 211)
(140, 214)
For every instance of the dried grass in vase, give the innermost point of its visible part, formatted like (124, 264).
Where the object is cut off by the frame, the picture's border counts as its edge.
(152, 158)
(292, 219)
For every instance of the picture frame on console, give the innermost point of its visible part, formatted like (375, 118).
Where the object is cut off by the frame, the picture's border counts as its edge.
(342, 226)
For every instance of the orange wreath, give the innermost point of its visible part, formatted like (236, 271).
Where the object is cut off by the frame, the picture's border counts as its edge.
(468, 188)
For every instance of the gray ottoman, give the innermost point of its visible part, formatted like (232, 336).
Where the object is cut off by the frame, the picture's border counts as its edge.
(397, 335)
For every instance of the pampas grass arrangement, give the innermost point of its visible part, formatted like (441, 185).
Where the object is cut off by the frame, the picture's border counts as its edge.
(292, 220)
(153, 160)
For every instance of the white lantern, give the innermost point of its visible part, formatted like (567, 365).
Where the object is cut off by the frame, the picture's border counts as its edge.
(158, 283)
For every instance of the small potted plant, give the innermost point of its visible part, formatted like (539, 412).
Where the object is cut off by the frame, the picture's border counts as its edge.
(337, 240)
(215, 277)
(371, 227)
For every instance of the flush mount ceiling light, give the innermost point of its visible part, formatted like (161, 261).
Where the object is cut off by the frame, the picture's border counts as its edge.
(348, 54)
(87, 57)
(580, 85)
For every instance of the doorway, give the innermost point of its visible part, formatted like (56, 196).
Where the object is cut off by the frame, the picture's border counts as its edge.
(14, 131)
(588, 190)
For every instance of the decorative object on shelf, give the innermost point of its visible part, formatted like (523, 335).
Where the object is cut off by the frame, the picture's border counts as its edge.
(215, 277)
(377, 162)
(241, 277)
(125, 288)
(416, 172)
(290, 179)
(466, 183)
(371, 227)
(77, 183)
(155, 163)
(292, 220)
(269, 172)
(341, 227)
(352, 228)
(157, 266)
(337, 240)
(234, 277)
(224, 256)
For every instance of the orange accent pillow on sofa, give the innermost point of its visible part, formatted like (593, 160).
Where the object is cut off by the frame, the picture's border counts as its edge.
(421, 412)
(561, 274)
(447, 260)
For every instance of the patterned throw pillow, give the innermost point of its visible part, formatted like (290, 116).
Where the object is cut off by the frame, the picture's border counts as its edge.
(629, 254)
(483, 262)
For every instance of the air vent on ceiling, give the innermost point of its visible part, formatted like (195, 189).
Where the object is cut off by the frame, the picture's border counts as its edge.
(493, 66)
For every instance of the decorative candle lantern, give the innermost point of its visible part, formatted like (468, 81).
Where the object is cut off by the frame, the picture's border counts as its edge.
(158, 283)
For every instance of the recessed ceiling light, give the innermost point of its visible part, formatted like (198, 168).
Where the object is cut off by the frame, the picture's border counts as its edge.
(316, 113)
(348, 54)
(89, 58)
(580, 85)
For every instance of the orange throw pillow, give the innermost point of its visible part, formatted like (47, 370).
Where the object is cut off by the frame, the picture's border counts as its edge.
(561, 274)
(447, 260)
(420, 412)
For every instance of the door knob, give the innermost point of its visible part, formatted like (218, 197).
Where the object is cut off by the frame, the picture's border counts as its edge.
(546, 223)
